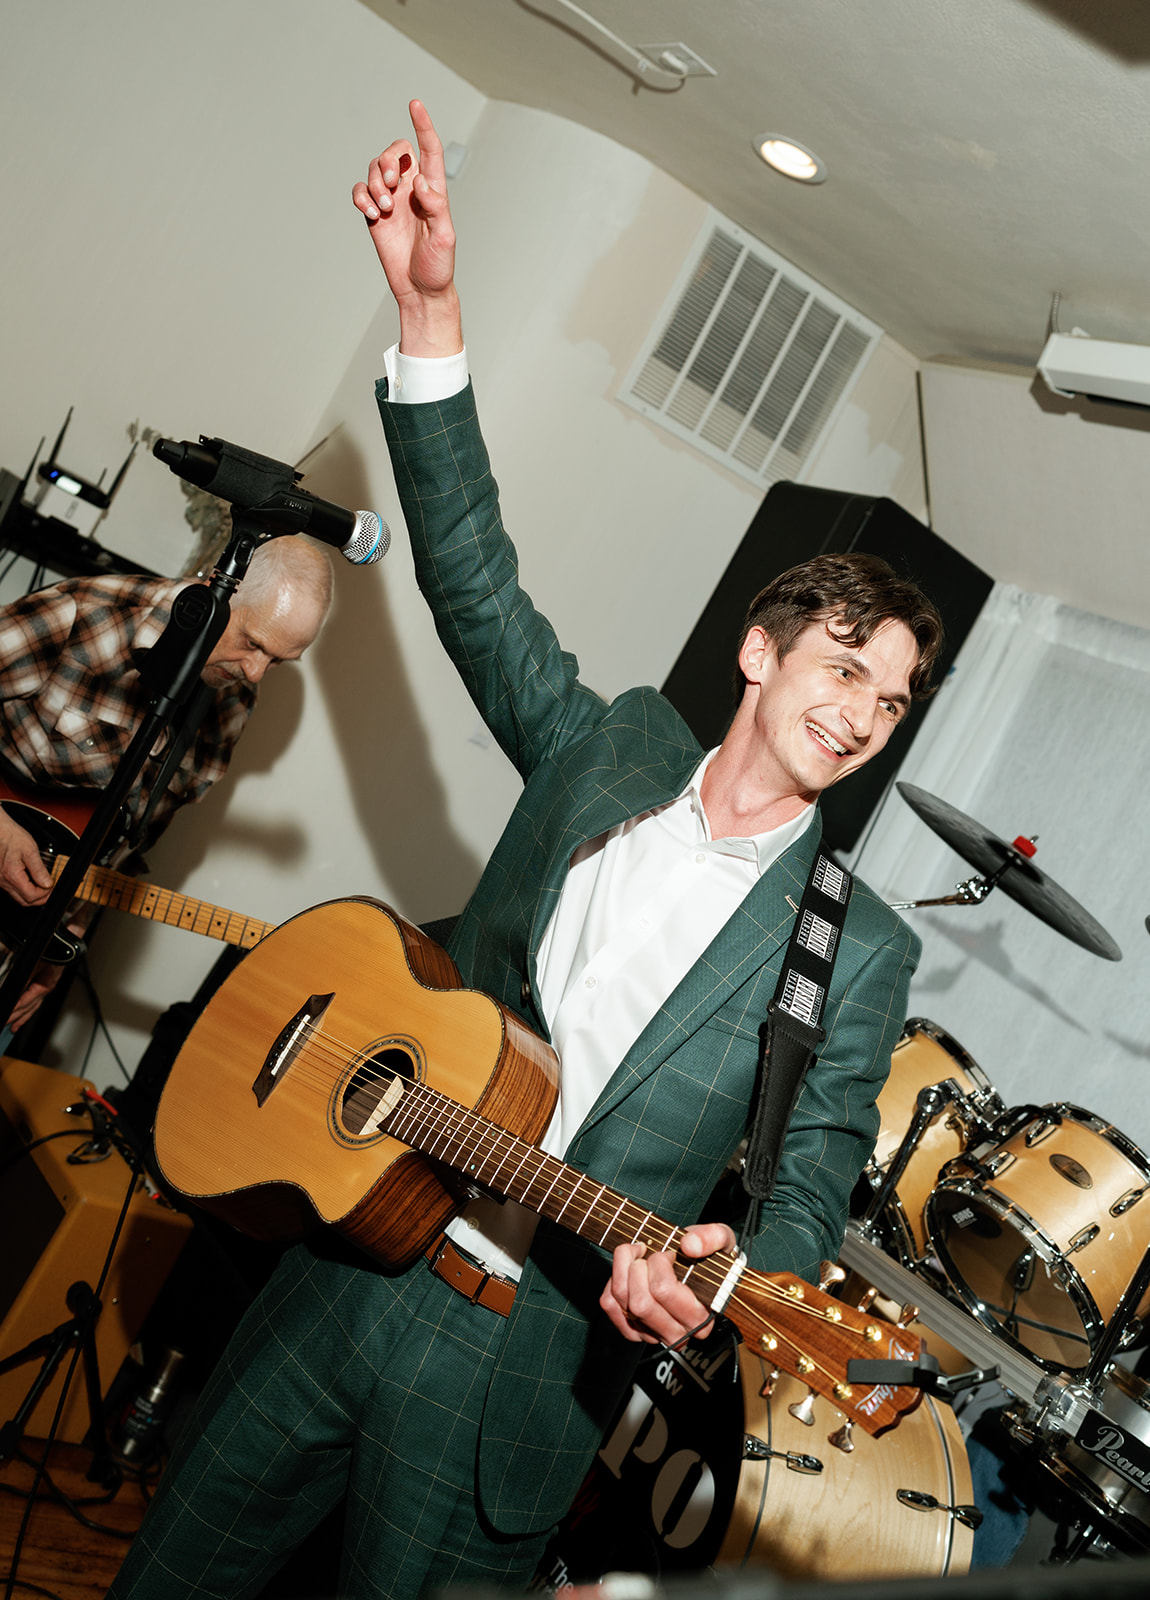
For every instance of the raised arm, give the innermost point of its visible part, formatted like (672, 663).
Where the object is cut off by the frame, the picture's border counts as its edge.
(405, 204)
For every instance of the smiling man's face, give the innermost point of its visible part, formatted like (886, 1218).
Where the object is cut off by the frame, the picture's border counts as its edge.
(827, 707)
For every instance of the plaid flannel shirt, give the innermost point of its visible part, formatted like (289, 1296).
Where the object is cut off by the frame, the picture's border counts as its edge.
(71, 697)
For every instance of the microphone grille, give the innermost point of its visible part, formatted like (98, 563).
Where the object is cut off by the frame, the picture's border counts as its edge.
(370, 540)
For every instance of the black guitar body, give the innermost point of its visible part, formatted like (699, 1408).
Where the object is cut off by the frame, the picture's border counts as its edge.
(54, 839)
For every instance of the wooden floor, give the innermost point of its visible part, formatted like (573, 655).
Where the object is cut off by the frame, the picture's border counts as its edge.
(60, 1556)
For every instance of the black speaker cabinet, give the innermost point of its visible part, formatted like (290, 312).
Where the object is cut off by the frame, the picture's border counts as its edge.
(793, 524)
(58, 1220)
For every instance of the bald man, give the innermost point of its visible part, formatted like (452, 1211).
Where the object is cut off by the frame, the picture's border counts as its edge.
(71, 699)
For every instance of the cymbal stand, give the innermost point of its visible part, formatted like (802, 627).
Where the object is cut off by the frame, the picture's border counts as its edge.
(973, 891)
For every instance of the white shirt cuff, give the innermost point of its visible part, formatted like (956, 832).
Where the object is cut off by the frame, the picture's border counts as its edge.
(414, 380)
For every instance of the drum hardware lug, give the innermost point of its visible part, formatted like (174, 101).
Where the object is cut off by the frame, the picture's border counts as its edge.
(1060, 1408)
(843, 1438)
(1042, 1128)
(1002, 1162)
(830, 1274)
(755, 1449)
(804, 1410)
(1124, 1201)
(1082, 1238)
(969, 1516)
(1132, 1335)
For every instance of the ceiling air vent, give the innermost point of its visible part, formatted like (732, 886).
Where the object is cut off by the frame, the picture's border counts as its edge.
(751, 359)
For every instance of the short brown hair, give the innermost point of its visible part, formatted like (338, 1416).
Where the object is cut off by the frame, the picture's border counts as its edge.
(861, 592)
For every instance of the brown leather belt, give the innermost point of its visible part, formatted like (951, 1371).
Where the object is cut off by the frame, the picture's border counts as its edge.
(481, 1287)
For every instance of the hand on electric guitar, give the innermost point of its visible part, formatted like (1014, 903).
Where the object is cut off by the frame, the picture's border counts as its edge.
(23, 874)
(645, 1299)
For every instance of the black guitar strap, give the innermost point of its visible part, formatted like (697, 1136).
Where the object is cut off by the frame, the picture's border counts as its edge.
(793, 1031)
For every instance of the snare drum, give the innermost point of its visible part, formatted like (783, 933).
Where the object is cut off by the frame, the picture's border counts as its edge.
(886, 1508)
(1041, 1233)
(926, 1055)
(1108, 1462)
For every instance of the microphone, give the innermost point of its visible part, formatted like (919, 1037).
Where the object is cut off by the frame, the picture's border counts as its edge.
(267, 489)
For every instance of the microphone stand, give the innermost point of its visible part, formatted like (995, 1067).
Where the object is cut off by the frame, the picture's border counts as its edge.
(171, 674)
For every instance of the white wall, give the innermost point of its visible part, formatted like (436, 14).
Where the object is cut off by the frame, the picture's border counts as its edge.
(363, 772)
(1048, 494)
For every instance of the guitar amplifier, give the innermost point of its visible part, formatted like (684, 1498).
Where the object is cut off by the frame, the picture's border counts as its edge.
(57, 1219)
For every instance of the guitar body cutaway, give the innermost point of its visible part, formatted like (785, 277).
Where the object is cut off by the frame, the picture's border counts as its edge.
(271, 1116)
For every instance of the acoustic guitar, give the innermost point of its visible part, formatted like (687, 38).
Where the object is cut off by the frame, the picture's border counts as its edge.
(56, 824)
(342, 1076)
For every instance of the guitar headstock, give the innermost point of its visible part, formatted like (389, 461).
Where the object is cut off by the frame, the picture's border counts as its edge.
(807, 1333)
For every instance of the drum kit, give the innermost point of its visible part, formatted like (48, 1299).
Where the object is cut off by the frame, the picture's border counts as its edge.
(1020, 1235)
(1016, 1240)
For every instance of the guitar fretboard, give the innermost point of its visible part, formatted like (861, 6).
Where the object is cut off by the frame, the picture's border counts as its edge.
(105, 887)
(449, 1132)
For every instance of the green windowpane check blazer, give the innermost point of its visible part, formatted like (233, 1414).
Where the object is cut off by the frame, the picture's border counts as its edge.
(665, 1127)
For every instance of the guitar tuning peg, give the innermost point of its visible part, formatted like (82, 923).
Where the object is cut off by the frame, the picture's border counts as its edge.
(830, 1274)
(907, 1315)
(768, 1387)
(867, 1299)
(843, 1438)
(804, 1410)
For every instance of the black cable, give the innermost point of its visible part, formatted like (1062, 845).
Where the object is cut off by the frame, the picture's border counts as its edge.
(26, 1149)
(70, 1505)
(98, 1022)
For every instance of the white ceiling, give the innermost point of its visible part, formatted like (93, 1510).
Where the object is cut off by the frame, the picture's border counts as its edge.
(983, 155)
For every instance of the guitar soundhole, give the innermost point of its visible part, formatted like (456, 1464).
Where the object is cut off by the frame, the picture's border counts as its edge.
(369, 1095)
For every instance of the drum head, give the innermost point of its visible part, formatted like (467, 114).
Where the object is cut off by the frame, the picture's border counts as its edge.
(855, 1515)
(1011, 1277)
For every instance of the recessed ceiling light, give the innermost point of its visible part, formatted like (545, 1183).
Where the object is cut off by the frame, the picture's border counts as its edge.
(791, 159)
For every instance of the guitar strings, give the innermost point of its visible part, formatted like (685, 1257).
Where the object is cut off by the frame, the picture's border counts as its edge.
(454, 1124)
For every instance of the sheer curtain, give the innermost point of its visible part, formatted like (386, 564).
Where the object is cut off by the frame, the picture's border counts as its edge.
(1042, 728)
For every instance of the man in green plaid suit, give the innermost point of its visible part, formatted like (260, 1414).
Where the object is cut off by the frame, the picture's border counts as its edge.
(636, 910)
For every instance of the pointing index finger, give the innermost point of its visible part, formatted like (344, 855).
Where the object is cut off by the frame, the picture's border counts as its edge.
(430, 146)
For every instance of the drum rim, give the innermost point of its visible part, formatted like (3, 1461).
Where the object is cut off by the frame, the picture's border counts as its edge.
(1093, 1323)
(1105, 1129)
(915, 1027)
(740, 1539)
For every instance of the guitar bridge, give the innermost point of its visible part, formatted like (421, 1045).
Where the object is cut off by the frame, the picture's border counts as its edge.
(289, 1043)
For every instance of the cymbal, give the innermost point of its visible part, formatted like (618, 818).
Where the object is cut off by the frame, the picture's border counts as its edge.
(1012, 872)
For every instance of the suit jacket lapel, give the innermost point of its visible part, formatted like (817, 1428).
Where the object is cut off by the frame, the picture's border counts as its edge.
(754, 937)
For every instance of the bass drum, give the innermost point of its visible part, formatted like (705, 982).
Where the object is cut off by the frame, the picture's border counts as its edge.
(926, 1054)
(1042, 1233)
(894, 1506)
